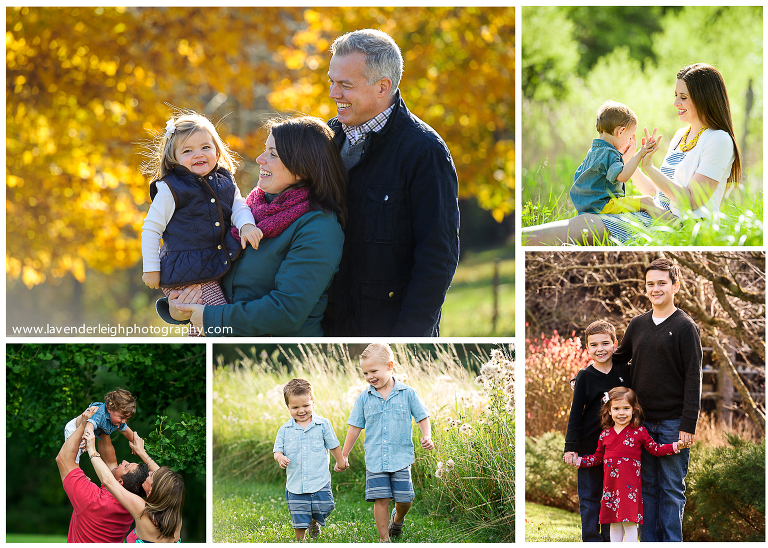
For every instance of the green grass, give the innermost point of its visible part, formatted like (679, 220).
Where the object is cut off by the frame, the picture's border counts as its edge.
(256, 512)
(546, 524)
(546, 199)
(15, 538)
(468, 308)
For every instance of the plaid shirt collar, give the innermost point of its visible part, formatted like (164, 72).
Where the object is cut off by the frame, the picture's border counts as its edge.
(357, 134)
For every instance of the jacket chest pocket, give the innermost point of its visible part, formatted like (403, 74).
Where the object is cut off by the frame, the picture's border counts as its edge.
(386, 216)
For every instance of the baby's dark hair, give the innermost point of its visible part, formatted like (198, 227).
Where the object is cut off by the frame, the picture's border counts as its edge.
(297, 387)
(121, 401)
(600, 327)
(611, 115)
(622, 393)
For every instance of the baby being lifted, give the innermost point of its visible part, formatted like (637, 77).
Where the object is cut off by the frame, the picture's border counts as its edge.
(118, 406)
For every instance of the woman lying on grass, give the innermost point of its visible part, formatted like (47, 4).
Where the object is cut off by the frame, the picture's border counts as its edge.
(701, 168)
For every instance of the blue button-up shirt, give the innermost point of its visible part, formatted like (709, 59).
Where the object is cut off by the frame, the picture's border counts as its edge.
(100, 421)
(388, 426)
(595, 181)
(308, 450)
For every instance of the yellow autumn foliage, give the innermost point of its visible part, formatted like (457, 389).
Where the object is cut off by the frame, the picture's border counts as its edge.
(84, 85)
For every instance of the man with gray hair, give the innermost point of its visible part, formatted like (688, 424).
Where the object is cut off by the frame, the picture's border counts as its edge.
(401, 243)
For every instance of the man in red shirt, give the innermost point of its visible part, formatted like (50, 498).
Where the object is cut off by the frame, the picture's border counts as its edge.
(97, 515)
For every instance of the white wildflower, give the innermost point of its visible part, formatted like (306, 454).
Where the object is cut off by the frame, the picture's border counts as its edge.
(465, 429)
(490, 370)
(450, 464)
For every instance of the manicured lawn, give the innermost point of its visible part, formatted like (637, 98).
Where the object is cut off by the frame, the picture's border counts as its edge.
(546, 524)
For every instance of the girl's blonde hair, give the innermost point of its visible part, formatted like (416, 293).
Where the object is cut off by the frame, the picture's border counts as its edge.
(379, 351)
(162, 149)
(622, 393)
(165, 501)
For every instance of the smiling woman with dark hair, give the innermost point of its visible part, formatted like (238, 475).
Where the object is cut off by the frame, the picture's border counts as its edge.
(699, 171)
(281, 287)
(158, 519)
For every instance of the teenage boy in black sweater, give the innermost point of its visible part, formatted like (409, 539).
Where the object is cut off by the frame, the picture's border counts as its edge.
(665, 348)
(592, 383)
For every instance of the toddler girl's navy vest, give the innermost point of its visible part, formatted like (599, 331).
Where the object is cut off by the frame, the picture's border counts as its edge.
(197, 243)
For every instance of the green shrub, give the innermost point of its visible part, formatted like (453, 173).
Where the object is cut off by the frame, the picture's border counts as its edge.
(726, 493)
(548, 480)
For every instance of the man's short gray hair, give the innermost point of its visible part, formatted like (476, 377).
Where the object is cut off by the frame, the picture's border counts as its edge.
(382, 55)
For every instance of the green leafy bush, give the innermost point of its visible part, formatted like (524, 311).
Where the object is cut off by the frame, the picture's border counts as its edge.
(180, 445)
(58, 381)
(726, 493)
(548, 480)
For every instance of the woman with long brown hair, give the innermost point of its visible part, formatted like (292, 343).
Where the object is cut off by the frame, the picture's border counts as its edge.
(158, 519)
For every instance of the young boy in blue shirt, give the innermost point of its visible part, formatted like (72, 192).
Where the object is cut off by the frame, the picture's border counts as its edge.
(302, 447)
(598, 185)
(111, 414)
(384, 410)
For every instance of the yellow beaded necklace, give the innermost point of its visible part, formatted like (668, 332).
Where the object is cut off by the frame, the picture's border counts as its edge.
(685, 146)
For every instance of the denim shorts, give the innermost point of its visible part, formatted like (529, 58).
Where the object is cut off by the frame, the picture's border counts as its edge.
(389, 485)
(310, 506)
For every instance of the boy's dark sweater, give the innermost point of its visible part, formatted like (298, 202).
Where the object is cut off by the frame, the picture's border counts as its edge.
(584, 425)
(666, 367)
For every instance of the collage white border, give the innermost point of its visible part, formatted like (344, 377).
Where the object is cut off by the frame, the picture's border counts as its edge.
(519, 339)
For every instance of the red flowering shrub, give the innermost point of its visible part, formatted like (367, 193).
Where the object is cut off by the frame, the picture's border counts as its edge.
(550, 364)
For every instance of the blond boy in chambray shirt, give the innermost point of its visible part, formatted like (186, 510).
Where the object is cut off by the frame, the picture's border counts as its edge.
(384, 410)
(302, 446)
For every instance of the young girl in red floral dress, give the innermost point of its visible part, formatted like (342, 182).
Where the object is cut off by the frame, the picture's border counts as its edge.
(618, 450)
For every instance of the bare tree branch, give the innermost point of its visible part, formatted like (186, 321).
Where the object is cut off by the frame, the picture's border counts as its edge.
(747, 402)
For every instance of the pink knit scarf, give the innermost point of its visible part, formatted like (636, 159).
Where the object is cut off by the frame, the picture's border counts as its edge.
(272, 218)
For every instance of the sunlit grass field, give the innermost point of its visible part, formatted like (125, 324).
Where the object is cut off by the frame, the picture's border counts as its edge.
(546, 199)
(470, 427)
(468, 308)
(256, 512)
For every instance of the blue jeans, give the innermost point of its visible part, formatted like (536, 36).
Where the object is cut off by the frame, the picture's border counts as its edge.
(663, 481)
(590, 488)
